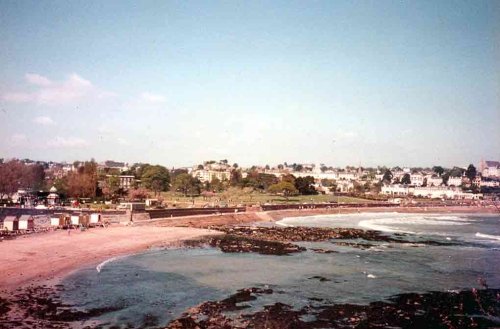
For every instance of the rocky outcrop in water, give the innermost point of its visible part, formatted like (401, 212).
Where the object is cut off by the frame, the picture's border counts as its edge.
(317, 234)
(40, 307)
(278, 240)
(465, 309)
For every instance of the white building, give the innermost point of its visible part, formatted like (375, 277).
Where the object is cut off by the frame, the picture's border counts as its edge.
(395, 190)
(454, 181)
(434, 181)
(417, 179)
(428, 192)
(126, 181)
(345, 186)
(347, 175)
(208, 175)
(490, 168)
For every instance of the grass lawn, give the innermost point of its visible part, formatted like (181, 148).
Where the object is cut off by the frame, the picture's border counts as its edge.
(234, 197)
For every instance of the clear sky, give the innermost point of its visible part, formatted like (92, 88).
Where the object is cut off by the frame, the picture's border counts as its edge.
(411, 83)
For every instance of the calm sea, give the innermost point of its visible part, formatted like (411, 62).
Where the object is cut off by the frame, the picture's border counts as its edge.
(158, 285)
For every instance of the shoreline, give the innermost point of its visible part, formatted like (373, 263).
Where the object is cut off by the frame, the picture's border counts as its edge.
(36, 265)
(46, 258)
(203, 221)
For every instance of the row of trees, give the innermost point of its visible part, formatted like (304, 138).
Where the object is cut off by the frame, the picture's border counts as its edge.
(15, 174)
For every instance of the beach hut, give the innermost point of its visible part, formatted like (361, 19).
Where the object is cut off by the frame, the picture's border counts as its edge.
(26, 222)
(81, 219)
(75, 220)
(57, 220)
(11, 223)
(84, 219)
(95, 219)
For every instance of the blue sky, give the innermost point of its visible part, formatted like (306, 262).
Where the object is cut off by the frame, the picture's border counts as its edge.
(412, 83)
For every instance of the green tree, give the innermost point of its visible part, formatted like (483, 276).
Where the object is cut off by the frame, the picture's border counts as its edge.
(61, 185)
(155, 178)
(216, 185)
(305, 185)
(285, 188)
(259, 180)
(187, 184)
(456, 172)
(236, 178)
(111, 189)
(471, 173)
(387, 178)
(288, 178)
(438, 170)
(175, 172)
(406, 179)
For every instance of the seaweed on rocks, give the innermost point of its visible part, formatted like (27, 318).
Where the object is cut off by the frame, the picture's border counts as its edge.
(236, 244)
(231, 243)
(211, 315)
(278, 240)
(4, 307)
(465, 309)
(40, 307)
(317, 234)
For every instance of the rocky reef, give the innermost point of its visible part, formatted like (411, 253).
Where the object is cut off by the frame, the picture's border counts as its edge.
(465, 309)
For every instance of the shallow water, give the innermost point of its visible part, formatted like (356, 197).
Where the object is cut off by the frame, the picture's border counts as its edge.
(158, 285)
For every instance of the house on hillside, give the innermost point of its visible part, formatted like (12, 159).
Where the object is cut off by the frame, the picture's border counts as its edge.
(490, 168)
(417, 179)
(455, 181)
(434, 180)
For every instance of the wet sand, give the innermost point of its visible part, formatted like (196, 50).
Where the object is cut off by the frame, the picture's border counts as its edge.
(47, 257)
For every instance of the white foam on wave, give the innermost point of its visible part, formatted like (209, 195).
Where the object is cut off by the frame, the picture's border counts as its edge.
(391, 222)
(376, 225)
(331, 219)
(281, 223)
(397, 224)
(99, 267)
(488, 236)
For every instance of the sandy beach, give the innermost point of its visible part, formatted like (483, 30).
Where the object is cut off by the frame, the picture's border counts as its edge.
(47, 257)
(33, 265)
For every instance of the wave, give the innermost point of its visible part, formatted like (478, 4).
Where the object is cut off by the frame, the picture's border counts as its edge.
(488, 236)
(101, 265)
(372, 224)
(398, 224)
(281, 223)
(390, 222)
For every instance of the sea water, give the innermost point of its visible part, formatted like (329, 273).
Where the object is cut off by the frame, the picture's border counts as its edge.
(161, 284)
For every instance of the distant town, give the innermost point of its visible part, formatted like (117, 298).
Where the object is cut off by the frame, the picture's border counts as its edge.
(27, 183)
